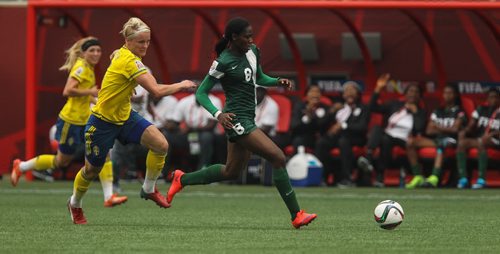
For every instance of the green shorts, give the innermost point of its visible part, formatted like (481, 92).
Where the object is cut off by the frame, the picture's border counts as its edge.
(241, 127)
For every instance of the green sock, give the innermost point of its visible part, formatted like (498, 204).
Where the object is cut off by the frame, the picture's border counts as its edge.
(282, 182)
(436, 171)
(415, 169)
(203, 176)
(482, 164)
(461, 164)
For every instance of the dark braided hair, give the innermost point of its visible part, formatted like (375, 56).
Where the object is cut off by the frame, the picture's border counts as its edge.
(419, 88)
(494, 90)
(456, 91)
(234, 26)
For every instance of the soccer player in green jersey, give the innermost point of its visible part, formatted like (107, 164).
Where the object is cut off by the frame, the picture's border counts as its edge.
(482, 132)
(442, 131)
(237, 69)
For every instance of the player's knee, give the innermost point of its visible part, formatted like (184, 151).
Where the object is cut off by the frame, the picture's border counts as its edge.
(91, 173)
(410, 143)
(62, 163)
(279, 160)
(461, 135)
(164, 147)
(461, 146)
(161, 147)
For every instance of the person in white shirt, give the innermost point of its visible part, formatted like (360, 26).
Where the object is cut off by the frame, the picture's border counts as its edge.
(139, 101)
(266, 112)
(198, 131)
(162, 111)
(403, 120)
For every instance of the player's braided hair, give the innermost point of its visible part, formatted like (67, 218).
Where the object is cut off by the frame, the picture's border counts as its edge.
(494, 90)
(234, 26)
(454, 88)
(419, 88)
(74, 52)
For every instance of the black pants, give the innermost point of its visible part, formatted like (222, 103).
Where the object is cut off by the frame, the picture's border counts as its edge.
(345, 144)
(378, 138)
(307, 140)
(127, 159)
(180, 147)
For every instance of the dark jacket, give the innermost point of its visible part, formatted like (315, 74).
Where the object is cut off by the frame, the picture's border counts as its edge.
(357, 122)
(316, 125)
(393, 106)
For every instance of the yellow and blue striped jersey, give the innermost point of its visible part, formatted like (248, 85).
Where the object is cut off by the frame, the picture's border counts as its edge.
(113, 103)
(77, 109)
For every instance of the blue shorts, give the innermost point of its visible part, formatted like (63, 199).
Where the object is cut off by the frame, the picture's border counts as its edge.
(69, 136)
(100, 136)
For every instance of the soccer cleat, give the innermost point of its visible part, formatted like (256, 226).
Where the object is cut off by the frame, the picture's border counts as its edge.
(365, 164)
(480, 184)
(431, 181)
(156, 197)
(303, 219)
(417, 181)
(76, 214)
(16, 172)
(463, 183)
(115, 200)
(176, 185)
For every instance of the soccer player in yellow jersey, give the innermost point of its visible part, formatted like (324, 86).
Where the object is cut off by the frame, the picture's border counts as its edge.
(112, 118)
(80, 89)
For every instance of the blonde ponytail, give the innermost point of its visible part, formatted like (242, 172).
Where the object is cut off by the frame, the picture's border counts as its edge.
(73, 53)
(133, 27)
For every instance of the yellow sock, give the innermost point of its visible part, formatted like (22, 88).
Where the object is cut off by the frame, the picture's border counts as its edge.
(44, 162)
(154, 166)
(106, 178)
(80, 187)
(106, 172)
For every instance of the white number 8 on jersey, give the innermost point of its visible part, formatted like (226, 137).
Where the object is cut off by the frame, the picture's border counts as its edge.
(238, 129)
(248, 74)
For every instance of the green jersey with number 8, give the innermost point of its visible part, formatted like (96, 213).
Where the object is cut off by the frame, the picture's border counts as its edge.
(239, 76)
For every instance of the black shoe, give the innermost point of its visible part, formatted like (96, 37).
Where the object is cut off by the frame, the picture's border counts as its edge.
(378, 184)
(365, 164)
(345, 184)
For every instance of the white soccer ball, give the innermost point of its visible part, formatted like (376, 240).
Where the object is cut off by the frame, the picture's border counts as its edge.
(389, 214)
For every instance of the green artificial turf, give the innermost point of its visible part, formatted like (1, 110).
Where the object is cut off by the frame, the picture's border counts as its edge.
(247, 219)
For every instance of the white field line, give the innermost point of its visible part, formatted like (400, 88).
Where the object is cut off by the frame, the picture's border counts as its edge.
(273, 194)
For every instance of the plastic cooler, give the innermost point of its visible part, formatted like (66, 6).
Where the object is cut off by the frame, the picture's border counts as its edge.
(305, 169)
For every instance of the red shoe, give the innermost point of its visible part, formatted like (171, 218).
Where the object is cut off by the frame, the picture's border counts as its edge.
(176, 185)
(76, 214)
(115, 200)
(156, 197)
(16, 172)
(303, 219)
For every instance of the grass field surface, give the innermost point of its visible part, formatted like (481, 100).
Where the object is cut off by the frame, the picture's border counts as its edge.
(247, 219)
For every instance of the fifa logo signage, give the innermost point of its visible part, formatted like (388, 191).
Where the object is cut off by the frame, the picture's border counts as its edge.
(472, 87)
